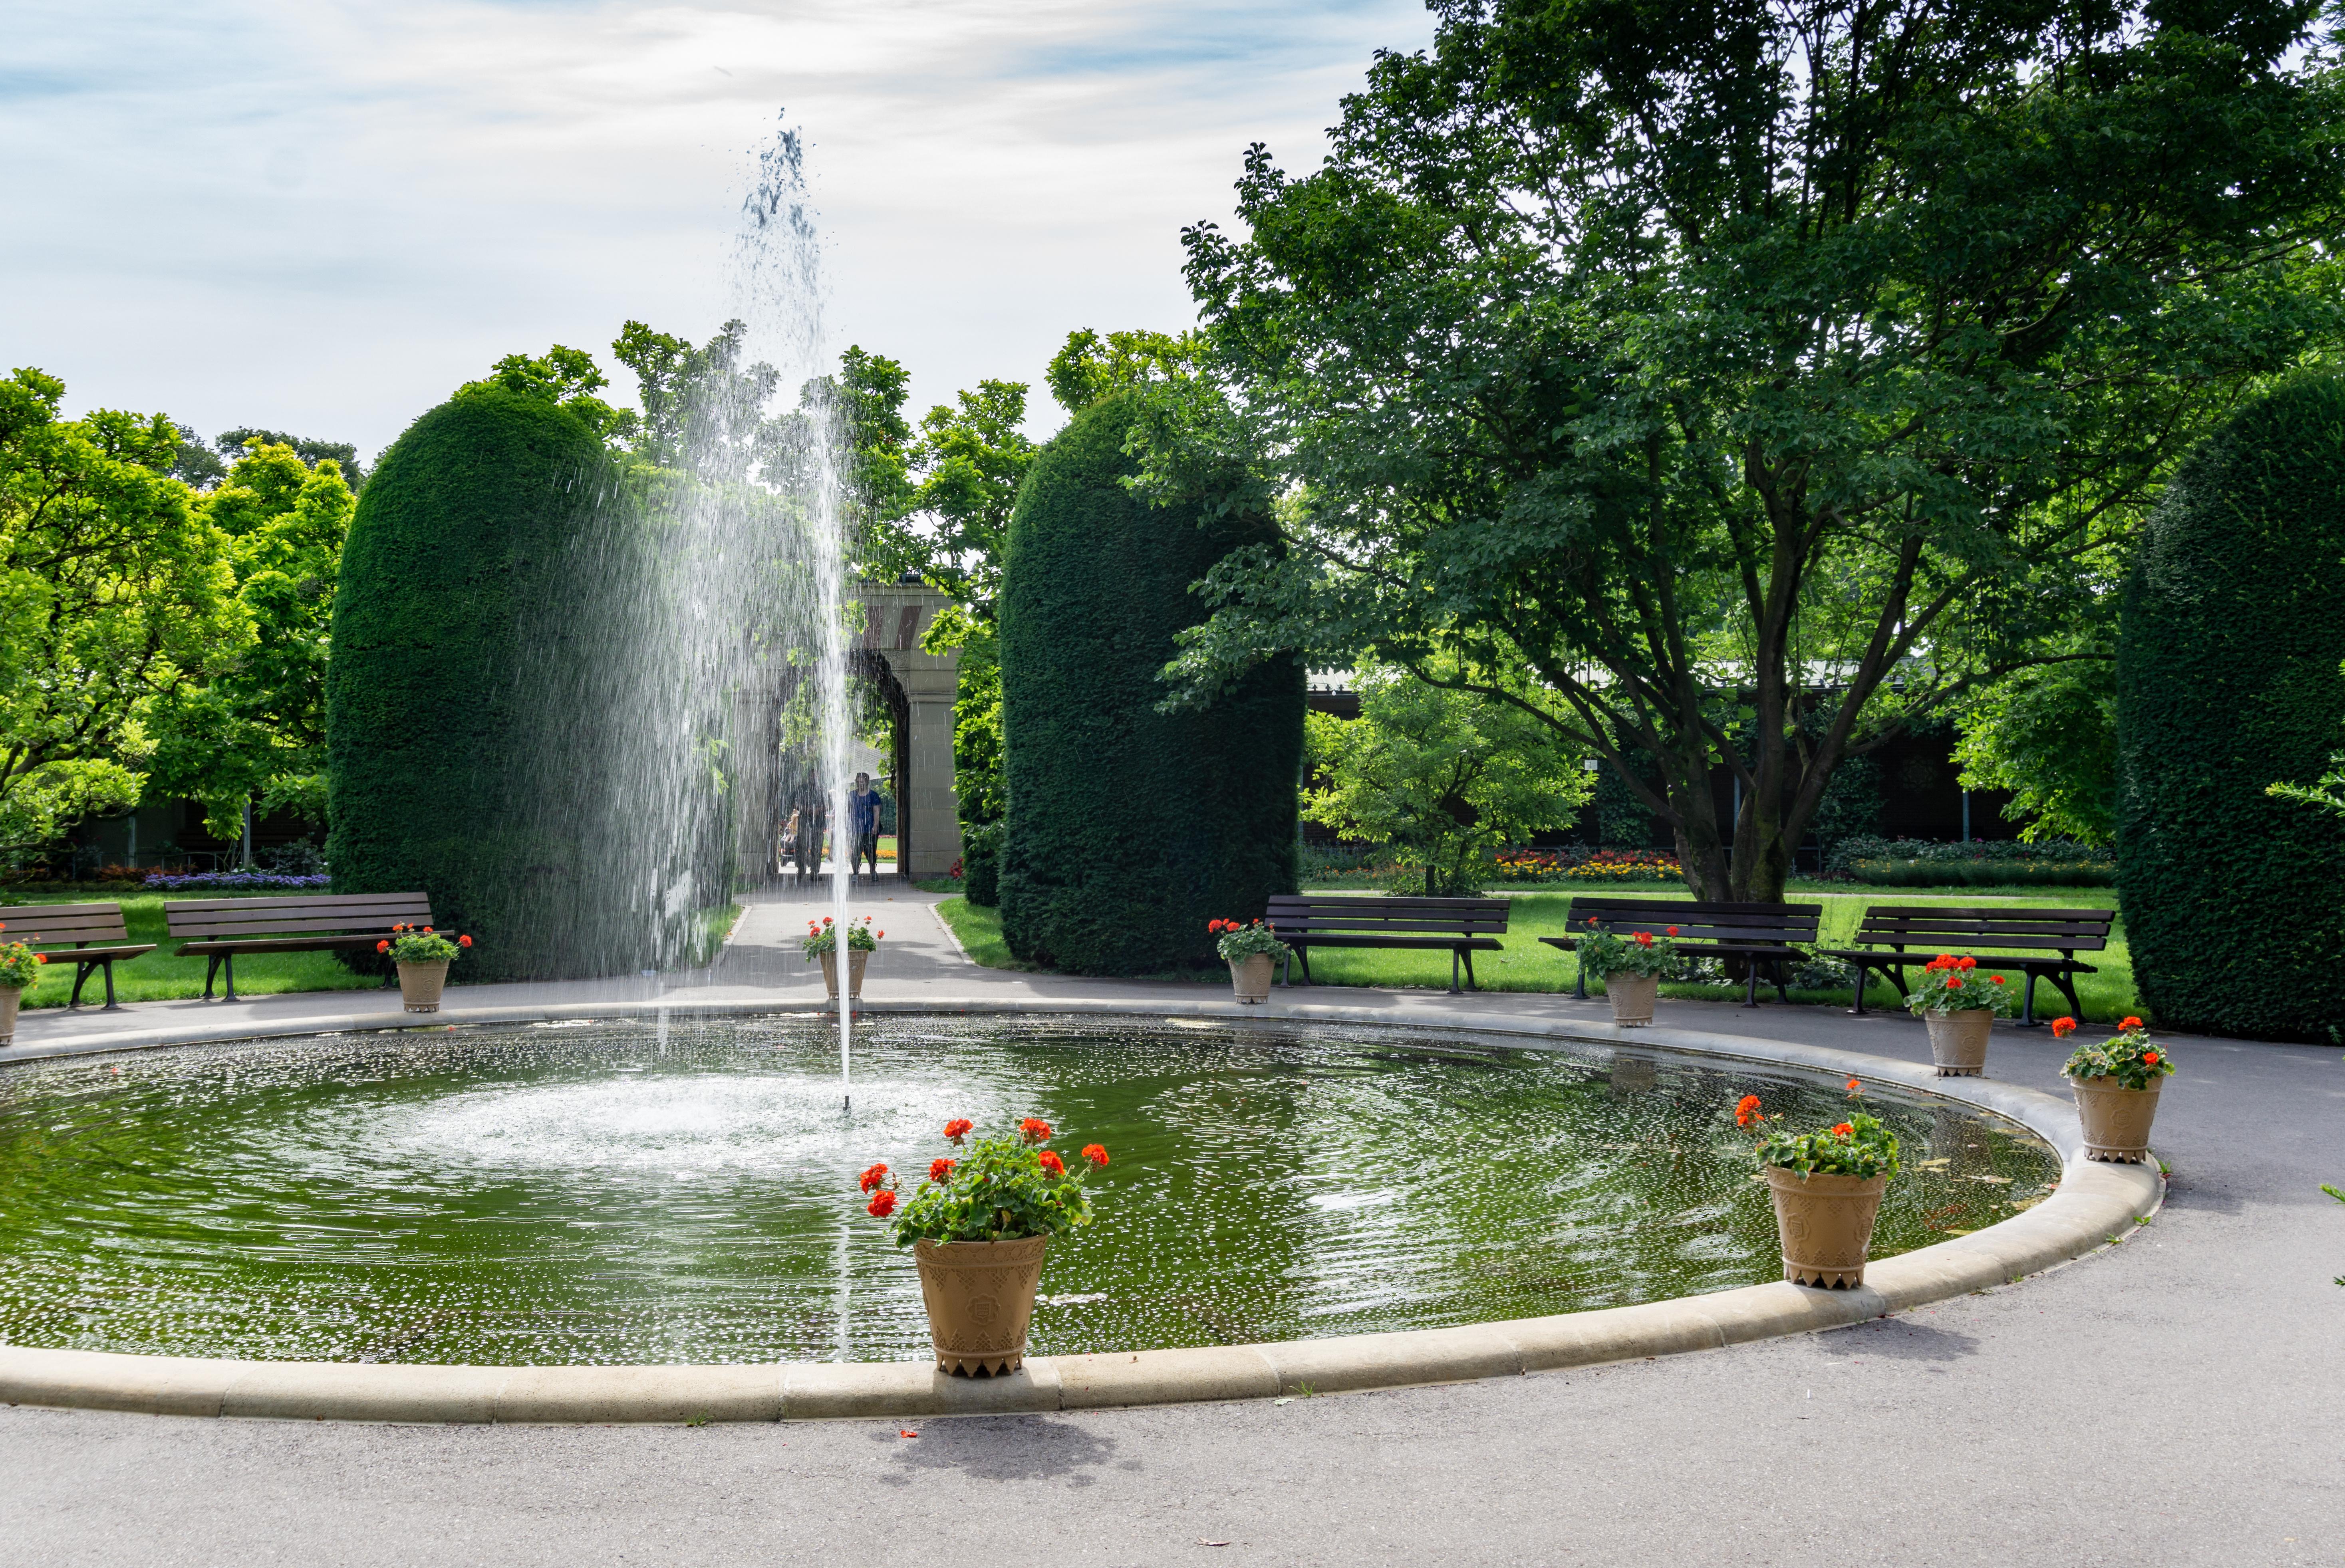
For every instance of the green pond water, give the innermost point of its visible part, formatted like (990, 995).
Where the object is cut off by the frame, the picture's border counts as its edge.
(618, 1192)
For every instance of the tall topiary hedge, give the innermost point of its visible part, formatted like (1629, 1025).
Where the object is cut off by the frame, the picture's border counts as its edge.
(2226, 681)
(1128, 829)
(455, 637)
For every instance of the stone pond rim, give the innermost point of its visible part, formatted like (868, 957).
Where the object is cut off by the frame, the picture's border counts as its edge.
(2094, 1204)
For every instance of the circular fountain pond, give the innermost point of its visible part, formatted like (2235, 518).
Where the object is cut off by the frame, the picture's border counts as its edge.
(621, 1192)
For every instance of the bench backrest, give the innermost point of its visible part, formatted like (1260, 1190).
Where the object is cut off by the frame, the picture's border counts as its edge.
(56, 925)
(1955, 930)
(325, 914)
(1770, 925)
(1298, 915)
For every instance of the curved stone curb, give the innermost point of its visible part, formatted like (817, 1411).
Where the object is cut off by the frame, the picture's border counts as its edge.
(2094, 1204)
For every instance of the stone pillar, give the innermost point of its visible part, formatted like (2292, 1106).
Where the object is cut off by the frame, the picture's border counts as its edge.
(928, 819)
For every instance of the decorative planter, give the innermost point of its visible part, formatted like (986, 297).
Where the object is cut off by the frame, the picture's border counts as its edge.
(2116, 1119)
(420, 984)
(1825, 1223)
(857, 957)
(1632, 997)
(11, 998)
(1250, 977)
(980, 1300)
(1958, 1041)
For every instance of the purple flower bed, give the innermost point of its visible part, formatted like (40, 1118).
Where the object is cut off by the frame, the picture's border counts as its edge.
(236, 881)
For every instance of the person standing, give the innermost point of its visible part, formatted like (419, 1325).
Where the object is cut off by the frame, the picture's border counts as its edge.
(863, 814)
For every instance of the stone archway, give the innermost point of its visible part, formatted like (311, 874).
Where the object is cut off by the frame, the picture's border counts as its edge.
(922, 687)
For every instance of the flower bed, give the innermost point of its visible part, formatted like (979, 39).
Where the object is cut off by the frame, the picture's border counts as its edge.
(1580, 864)
(1980, 862)
(237, 880)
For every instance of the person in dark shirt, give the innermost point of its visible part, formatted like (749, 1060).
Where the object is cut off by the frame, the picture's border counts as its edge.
(863, 812)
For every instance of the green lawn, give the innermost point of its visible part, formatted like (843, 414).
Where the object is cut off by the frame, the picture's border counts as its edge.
(1528, 965)
(157, 976)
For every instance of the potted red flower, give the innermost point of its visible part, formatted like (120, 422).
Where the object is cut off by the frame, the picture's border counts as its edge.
(20, 970)
(1251, 951)
(1632, 966)
(422, 956)
(820, 941)
(1959, 1005)
(1827, 1186)
(2117, 1085)
(978, 1228)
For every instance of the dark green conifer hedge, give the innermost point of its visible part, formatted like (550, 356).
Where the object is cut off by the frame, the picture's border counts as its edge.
(1128, 829)
(2226, 681)
(452, 639)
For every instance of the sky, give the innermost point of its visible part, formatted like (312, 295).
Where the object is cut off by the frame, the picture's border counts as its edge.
(322, 218)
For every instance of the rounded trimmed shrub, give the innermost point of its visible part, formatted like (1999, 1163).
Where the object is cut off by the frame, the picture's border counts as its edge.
(455, 637)
(2227, 682)
(1128, 829)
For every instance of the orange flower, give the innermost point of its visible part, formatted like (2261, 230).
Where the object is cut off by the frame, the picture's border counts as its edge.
(1855, 1088)
(940, 1168)
(2063, 1027)
(1644, 938)
(1968, 962)
(383, 947)
(1746, 1110)
(463, 941)
(2149, 1059)
(1673, 930)
(957, 1129)
(1954, 983)
(1843, 1129)
(883, 1204)
(1034, 1129)
(1051, 1164)
(2129, 1023)
(872, 1177)
(1095, 1153)
(1996, 978)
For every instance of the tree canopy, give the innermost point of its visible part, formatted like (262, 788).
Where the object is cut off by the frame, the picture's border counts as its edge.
(1760, 379)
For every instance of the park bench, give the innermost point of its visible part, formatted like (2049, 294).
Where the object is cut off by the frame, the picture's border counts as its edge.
(221, 928)
(1465, 927)
(2052, 939)
(1753, 934)
(39, 926)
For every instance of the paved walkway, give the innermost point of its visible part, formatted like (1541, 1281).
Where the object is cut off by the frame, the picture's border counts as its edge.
(2175, 1400)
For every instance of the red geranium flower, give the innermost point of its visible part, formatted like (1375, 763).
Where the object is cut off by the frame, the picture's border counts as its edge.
(2063, 1027)
(1996, 978)
(1954, 983)
(1746, 1110)
(383, 947)
(1673, 930)
(1854, 1087)
(1644, 938)
(957, 1129)
(1095, 1153)
(883, 1204)
(1052, 1163)
(2129, 1023)
(2149, 1059)
(1034, 1129)
(1843, 1129)
(1969, 963)
(463, 941)
(873, 1176)
(940, 1168)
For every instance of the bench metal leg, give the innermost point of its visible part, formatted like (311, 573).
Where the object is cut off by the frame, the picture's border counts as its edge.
(1862, 975)
(210, 970)
(81, 974)
(1302, 951)
(1453, 971)
(229, 961)
(1471, 984)
(111, 1005)
(81, 977)
(1751, 984)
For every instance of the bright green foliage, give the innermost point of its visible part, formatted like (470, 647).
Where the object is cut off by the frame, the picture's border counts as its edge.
(1721, 366)
(1445, 776)
(999, 1190)
(1866, 1149)
(1651, 954)
(2234, 625)
(2130, 1056)
(1089, 368)
(1128, 828)
(453, 635)
(567, 378)
(256, 730)
(2049, 735)
(1951, 983)
(411, 945)
(114, 594)
(20, 967)
(233, 444)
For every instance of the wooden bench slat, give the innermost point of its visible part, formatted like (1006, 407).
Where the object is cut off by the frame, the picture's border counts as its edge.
(1462, 926)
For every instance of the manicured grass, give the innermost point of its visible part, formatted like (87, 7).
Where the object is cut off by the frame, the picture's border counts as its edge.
(157, 976)
(1528, 965)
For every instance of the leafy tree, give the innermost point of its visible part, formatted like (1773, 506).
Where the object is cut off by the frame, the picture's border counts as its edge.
(1721, 367)
(568, 379)
(232, 444)
(1089, 367)
(2049, 735)
(1444, 776)
(255, 730)
(114, 593)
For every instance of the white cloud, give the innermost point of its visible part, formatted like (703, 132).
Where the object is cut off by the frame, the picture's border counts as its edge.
(322, 217)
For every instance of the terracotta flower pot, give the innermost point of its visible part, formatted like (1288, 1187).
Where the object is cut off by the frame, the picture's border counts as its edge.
(11, 998)
(1250, 977)
(1826, 1225)
(420, 984)
(2116, 1119)
(857, 957)
(1958, 1041)
(980, 1300)
(1632, 997)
